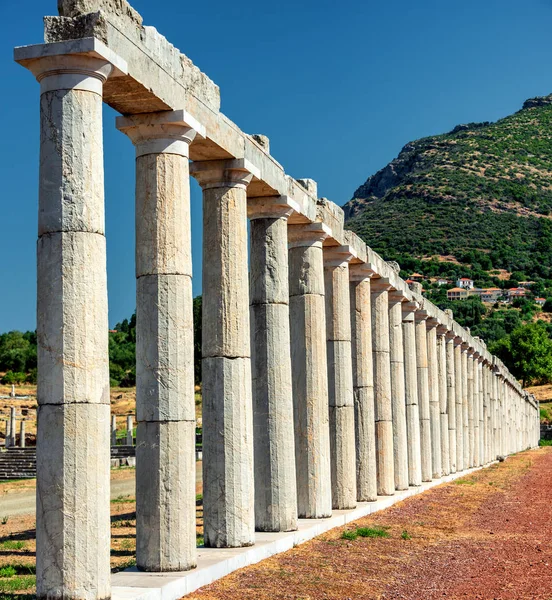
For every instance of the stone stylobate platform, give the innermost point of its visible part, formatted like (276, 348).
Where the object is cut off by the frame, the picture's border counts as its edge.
(326, 379)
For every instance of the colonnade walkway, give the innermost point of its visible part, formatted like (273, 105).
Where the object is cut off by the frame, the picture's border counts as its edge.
(327, 382)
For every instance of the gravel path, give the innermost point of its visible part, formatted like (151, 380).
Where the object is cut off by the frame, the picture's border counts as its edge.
(487, 536)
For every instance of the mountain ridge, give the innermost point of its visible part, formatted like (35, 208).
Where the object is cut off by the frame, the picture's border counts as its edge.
(484, 187)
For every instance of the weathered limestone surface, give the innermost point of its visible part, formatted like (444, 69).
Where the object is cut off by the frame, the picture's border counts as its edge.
(340, 378)
(459, 394)
(411, 395)
(451, 399)
(423, 395)
(165, 407)
(73, 377)
(476, 401)
(228, 498)
(165, 495)
(470, 401)
(310, 371)
(130, 430)
(274, 452)
(434, 401)
(363, 384)
(442, 368)
(73, 522)
(398, 393)
(465, 404)
(382, 387)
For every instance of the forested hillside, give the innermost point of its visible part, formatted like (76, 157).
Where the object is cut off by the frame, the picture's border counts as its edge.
(481, 193)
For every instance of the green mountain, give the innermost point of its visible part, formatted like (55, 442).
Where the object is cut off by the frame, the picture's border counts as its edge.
(480, 195)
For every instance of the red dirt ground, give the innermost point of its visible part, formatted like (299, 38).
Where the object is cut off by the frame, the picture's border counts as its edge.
(487, 536)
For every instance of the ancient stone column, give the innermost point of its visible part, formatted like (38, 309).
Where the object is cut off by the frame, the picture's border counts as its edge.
(363, 382)
(72, 329)
(113, 430)
(470, 410)
(130, 430)
(340, 377)
(459, 394)
(7, 433)
(442, 365)
(165, 406)
(482, 403)
(434, 400)
(228, 487)
(398, 392)
(411, 395)
(13, 425)
(476, 399)
(307, 315)
(465, 404)
(22, 434)
(451, 398)
(423, 394)
(273, 438)
(382, 387)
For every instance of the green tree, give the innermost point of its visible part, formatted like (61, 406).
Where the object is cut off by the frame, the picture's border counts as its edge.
(527, 352)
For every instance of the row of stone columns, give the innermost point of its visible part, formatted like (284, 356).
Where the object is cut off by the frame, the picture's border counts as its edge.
(325, 383)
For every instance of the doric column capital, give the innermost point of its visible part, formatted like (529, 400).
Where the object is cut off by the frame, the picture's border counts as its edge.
(337, 256)
(465, 346)
(307, 234)
(432, 323)
(83, 64)
(361, 271)
(442, 329)
(421, 315)
(271, 207)
(397, 297)
(231, 173)
(450, 335)
(381, 284)
(167, 132)
(409, 309)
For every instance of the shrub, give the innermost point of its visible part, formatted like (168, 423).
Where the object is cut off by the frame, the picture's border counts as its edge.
(12, 377)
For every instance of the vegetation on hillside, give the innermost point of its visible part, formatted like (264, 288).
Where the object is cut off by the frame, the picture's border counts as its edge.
(483, 189)
(475, 202)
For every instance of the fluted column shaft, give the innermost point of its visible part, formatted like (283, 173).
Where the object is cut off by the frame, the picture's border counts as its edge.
(466, 388)
(165, 406)
(363, 384)
(310, 370)
(228, 489)
(451, 399)
(340, 378)
(411, 395)
(476, 400)
(273, 438)
(481, 405)
(398, 397)
(434, 400)
(443, 399)
(459, 395)
(73, 368)
(470, 400)
(423, 395)
(382, 387)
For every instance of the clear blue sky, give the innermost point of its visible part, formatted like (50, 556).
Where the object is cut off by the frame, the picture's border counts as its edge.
(339, 87)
